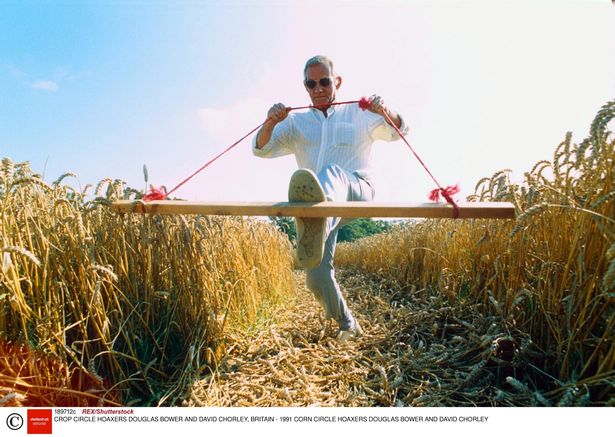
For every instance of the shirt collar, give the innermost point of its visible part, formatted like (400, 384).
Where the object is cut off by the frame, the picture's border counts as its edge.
(330, 111)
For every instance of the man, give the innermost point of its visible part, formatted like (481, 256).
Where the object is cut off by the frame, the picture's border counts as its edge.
(332, 145)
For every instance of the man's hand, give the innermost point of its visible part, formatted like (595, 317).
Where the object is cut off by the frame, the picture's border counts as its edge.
(377, 104)
(278, 112)
(378, 107)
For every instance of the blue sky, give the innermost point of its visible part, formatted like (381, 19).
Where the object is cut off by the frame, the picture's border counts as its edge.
(100, 88)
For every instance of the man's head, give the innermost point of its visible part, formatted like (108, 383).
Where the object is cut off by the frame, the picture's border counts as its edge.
(320, 80)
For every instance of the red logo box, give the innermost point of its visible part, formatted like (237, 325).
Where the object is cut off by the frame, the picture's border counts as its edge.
(39, 421)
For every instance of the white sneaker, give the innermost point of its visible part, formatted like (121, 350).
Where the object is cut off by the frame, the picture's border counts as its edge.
(305, 187)
(354, 332)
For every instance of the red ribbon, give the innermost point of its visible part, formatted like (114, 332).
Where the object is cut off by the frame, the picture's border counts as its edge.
(155, 194)
(447, 193)
(365, 103)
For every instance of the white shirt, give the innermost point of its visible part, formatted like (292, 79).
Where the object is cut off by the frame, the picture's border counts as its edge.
(344, 138)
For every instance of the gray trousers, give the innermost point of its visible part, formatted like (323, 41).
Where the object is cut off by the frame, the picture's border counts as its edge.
(339, 185)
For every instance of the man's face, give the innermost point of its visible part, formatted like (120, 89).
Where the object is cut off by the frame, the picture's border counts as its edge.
(321, 94)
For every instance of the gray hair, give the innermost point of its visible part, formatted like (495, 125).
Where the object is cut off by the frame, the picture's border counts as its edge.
(318, 60)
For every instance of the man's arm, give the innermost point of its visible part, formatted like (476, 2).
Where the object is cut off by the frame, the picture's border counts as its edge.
(276, 114)
(378, 107)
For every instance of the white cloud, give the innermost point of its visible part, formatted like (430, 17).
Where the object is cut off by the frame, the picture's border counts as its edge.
(45, 85)
(15, 72)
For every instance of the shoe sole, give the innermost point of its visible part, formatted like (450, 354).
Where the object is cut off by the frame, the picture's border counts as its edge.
(304, 187)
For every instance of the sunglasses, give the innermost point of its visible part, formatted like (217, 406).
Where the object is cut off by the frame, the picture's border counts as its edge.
(324, 82)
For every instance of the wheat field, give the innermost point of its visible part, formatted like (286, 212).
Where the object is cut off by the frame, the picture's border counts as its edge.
(548, 276)
(99, 308)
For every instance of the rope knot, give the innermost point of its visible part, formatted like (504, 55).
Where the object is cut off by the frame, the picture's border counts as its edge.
(155, 193)
(447, 193)
(365, 103)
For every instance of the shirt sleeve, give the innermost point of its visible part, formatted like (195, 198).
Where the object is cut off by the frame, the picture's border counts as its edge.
(379, 129)
(279, 144)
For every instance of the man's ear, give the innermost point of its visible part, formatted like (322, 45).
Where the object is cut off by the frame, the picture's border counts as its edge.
(338, 82)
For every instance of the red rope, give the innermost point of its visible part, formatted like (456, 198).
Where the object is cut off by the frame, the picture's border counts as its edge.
(161, 193)
(156, 194)
(434, 195)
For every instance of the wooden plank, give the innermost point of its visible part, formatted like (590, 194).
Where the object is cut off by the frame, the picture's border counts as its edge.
(496, 210)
